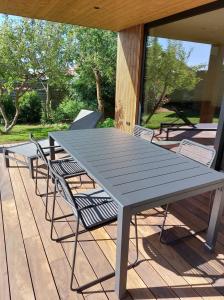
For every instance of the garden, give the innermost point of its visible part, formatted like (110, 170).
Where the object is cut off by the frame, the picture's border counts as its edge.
(50, 71)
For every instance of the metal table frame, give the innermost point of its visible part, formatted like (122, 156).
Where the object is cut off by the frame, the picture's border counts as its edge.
(72, 142)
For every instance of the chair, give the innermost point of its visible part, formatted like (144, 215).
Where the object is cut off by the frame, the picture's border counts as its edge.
(93, 209)
(199, 153)
(86, 119)
(64, 167)
(142, 132)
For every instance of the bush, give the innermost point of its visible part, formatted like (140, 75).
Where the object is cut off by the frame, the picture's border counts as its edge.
(30, 108)
(67, 110)
(108, 122)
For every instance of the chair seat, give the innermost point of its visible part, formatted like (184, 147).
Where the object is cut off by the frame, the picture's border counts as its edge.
(95, 208)
(67, 167)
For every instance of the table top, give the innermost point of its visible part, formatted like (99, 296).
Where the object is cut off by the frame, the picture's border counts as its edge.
(135, 172)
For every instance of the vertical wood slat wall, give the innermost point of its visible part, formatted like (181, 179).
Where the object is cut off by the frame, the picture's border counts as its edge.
(128, 77)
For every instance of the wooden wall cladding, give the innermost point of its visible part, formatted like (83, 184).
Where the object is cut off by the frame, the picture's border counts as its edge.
(129, 59)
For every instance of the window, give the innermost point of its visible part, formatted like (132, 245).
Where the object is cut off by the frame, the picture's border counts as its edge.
(184, 73)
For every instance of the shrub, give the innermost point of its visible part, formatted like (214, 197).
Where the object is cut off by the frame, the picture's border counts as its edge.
(67, 110)
(30, 108)
(108, 122)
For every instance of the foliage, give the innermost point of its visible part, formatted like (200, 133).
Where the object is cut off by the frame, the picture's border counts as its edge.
(67, 110)
(95, 58)
(108, 122)
(30, 108)
(30, 52)
(166, 71)
(76, 61)
(20, 133)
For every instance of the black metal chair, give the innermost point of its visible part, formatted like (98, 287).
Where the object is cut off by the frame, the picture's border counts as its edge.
(93, 209)
(199, 153)
(144, 133)
(66, 168)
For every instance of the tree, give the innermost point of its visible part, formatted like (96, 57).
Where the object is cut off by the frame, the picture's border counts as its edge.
(96, 59)
(30, 52)
(166, 71)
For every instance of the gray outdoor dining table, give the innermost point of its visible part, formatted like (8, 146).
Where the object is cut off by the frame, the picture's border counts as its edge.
(139, 175)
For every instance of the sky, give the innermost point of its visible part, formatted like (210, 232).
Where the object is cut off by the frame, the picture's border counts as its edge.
(199, 52)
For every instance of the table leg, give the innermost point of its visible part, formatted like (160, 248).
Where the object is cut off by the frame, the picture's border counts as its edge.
(123, 231)
(215, 218)
(52, 150)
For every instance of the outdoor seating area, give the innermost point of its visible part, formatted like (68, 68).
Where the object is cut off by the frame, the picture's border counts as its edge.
(111, 150)
(183, 270)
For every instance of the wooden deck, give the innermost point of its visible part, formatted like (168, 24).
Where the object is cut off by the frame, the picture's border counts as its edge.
(34, 267)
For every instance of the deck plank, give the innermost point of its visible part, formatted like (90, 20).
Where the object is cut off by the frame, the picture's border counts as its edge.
(19, 274)
(37, 259)
(4, 279)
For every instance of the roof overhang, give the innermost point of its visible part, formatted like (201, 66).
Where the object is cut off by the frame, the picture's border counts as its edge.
(114, 15)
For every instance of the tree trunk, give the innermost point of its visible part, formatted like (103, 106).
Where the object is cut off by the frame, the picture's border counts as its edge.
(3, 113)
(158, 103)
(100, 99)
(48, 103)
(9, 125)
(13, 123)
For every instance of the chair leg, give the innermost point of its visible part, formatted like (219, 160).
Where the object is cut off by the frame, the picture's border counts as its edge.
(74, 255)
(36, 175)
(31, 168)
(46, 202)
(163, 225)
(52, 216)
(163, 241)
(58, 218)
(103, 278)
(6, 157)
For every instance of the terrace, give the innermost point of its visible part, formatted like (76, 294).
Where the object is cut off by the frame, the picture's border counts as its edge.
(35, 267)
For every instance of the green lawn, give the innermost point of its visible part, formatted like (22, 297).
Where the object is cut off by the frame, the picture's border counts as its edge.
(169, 117)
(21, 132)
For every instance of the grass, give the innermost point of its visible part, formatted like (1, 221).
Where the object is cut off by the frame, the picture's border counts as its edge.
(169, 117)
(20, 133)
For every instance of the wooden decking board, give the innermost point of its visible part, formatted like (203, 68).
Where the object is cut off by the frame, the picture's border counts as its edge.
(165, 273)
(169, 279)
(21, 286)
(54, 253)
(37, 259)
(4, 279)
(191, 275)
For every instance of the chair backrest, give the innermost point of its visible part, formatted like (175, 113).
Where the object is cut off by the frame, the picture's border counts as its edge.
(197, 152)
(40, 151)
(142, 132)
(62, 187)
(86, 119)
